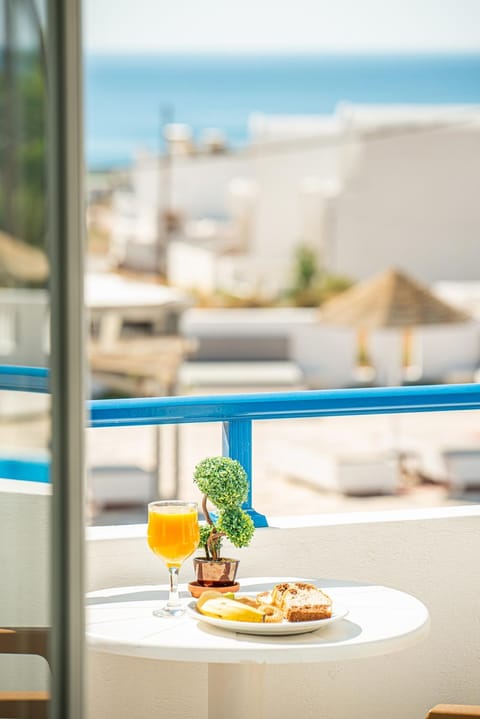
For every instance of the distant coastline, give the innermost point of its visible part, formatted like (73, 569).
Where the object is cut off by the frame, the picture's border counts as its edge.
(129, 96)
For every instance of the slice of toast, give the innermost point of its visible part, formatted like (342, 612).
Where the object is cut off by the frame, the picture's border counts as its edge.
(301, 602)
(280, 589)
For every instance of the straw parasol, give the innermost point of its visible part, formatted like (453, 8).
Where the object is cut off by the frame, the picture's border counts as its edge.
(21, 262)
(390, 299)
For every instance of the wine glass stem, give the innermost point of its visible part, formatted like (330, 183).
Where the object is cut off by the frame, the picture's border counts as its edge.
(173, 598)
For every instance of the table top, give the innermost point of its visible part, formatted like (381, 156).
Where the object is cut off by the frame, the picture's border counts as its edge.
(109, 291)
(380, 620)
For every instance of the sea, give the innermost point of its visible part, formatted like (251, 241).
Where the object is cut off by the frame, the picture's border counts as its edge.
(128, 98)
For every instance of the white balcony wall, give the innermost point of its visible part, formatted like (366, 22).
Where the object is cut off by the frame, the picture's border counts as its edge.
(25, 583)
(432, 554)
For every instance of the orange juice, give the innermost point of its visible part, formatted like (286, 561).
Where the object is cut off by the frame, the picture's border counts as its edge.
(173, 533)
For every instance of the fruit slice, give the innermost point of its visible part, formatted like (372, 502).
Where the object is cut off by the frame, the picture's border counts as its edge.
(205, 596)
(223, 608)
(273, 615)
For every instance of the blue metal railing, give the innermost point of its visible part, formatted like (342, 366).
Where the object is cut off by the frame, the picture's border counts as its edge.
(29, 470)
(283, 405)
(24, 379)
(238, 412)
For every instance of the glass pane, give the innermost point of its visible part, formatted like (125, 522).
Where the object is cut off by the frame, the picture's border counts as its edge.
(25, 493)
(248, 190)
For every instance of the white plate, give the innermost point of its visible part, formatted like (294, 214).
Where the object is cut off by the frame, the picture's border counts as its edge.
(280, 628)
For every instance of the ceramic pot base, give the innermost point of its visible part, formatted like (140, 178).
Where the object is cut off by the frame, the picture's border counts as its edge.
(196, 589)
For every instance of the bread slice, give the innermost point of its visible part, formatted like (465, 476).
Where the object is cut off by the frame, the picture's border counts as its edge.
(301, 602)
(279, 590)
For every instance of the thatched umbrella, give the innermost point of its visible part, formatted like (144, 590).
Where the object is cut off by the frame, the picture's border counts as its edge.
(389, 300)
(21, 263)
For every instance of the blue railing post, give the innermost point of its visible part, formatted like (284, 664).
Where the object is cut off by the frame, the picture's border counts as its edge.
(237, 444)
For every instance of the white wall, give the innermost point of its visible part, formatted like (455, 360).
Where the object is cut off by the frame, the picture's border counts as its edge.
(432, 554)
(283, 212)
(413, 204)
(326, 354)
(194, 186)
(24, 326)
(386, 187)
(258, 322)
(447, 350)
(408, 189)
(190, 266)
(25, 575)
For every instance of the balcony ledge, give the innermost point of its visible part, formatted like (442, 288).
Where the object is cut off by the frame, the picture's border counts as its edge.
(132, 531)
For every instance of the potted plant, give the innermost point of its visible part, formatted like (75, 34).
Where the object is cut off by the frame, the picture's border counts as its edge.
(223, 482)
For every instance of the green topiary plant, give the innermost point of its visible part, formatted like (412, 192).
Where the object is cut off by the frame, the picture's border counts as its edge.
(223, 481)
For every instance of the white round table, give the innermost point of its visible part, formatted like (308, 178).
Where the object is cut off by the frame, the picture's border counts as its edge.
(380, 620)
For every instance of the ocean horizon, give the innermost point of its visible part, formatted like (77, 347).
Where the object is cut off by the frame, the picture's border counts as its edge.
(128, 97)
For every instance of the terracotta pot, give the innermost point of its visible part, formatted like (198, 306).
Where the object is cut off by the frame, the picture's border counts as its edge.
(215, 573)
(196, 590)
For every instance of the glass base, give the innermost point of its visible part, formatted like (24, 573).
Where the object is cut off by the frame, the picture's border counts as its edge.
(169, 611)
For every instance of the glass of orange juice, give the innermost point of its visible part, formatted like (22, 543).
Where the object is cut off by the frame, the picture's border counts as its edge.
(173, 534)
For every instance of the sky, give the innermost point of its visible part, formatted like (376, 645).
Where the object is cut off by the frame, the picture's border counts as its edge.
(149, 26)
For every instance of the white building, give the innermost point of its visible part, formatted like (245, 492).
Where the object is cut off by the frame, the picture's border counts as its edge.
(381, 187)
(368, 187)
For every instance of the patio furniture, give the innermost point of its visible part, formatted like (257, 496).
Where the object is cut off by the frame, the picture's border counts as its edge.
(113, 300)
(454, 711)
(144, 362)
(138, 367)
(356, 474)
(24, 704)
(380, 620)
(462, 469)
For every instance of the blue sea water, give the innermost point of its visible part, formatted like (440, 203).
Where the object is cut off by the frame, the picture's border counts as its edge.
(128, 97)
